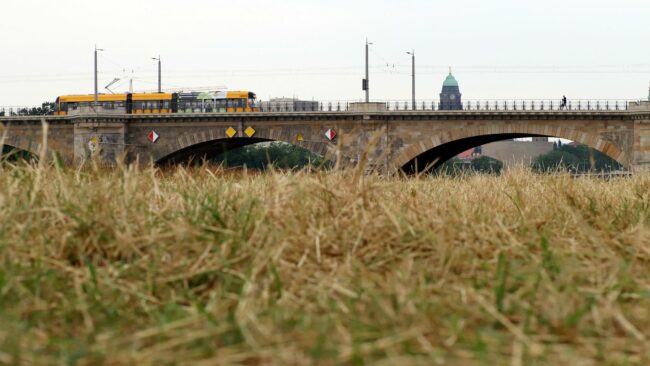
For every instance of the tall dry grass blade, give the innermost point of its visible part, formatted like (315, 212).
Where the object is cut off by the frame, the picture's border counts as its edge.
(204, 265)
(5, 131)
(360, 170)
(427, 168)
(3, 138)
(42, 151)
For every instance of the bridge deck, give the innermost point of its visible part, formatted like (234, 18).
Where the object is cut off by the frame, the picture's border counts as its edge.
(258, 116)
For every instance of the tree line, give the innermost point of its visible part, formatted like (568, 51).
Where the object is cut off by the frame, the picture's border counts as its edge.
(576, 159)
(572, 158)
(46, 108)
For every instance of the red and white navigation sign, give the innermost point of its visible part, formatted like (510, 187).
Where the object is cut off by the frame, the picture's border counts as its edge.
(330, 134)
(153, 136)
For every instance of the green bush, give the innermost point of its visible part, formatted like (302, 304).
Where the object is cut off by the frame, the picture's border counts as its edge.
(578, 158)
(279, 155)
(483, 164)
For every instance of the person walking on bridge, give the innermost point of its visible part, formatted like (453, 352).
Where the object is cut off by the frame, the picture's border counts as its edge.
(563, 103)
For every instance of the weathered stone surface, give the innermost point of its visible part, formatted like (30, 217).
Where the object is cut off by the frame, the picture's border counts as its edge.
(386, 140)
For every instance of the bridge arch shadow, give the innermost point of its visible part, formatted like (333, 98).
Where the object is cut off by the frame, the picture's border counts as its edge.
(430, 153)
(13, 153)
(213, 149)
(207, 150)
(197, 144)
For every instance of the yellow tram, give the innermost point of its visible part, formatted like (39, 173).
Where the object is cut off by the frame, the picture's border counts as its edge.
(159, 103)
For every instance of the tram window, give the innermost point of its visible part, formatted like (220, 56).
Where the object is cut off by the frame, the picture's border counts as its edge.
(108, 105)
(166, 104)
(139, 105)
(234, 103)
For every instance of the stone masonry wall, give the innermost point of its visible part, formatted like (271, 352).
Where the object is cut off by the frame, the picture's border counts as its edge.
(387, 140)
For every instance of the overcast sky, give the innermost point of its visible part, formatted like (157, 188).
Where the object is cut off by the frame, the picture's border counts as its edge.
(514, 49)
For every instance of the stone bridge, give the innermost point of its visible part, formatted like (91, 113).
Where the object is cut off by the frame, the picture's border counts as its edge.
(388, 141)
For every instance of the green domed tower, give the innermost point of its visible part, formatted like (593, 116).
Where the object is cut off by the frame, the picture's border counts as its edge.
(450, 97)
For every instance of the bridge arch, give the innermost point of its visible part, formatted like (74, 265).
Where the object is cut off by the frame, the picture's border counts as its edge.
(13, 143)
(191, 145)
(13, 152)
(434, 149)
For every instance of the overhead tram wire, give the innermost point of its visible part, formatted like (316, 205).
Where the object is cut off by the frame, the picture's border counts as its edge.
(345, 70)
(399, 69)
(430, 69)
(178, 86)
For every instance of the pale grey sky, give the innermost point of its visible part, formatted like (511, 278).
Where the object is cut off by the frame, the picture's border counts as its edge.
(514, 49)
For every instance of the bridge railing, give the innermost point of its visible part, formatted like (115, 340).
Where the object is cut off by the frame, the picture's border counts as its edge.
(545, 105)
(466, 105)
(403, 105)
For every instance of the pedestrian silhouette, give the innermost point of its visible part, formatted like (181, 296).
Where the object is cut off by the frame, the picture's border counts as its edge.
(563, 104)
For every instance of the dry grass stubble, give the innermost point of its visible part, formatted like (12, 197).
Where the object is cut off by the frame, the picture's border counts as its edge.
(127, 266)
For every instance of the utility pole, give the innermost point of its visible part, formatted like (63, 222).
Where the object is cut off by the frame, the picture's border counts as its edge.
(96, 92)
(159, 74)
(412, 53)
(366, 81)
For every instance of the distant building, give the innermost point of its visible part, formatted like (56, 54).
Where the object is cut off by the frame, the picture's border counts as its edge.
(289, 105)
(450, 97)
(513, 153)
(510, 152)
(471, 154)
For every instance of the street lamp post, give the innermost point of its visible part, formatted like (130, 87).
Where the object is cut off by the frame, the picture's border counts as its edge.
(96, 87)
(366, 81)
(159, 73)
(412, 53)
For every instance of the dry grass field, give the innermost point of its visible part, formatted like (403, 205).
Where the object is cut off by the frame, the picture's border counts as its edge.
(133, 267)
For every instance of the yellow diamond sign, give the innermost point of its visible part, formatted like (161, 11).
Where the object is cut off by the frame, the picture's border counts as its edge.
(300, 137)
(250, 131)
(230, 132)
